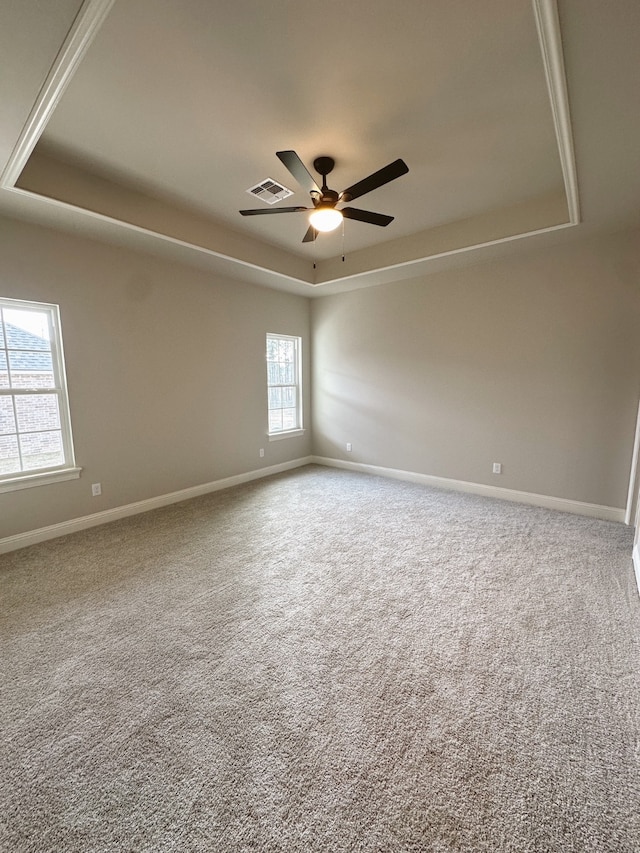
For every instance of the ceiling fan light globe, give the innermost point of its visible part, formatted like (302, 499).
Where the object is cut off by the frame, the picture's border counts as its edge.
(325, 218)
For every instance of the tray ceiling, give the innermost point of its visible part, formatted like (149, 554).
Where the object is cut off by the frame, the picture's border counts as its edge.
(168, 112)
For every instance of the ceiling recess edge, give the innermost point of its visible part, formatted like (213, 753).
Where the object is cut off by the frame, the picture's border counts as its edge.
(93, 13)
(85, 26)
(550, 38)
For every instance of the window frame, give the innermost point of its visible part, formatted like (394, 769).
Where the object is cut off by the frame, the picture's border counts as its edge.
(277, 435)
(67, 470)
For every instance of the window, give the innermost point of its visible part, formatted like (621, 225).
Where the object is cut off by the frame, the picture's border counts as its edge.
(283, 385)
(35, 430)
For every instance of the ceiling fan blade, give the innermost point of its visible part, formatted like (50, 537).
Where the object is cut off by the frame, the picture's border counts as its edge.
(261, 212)
(377, 179)
(299, 171)
(366, 216)
(311, 235)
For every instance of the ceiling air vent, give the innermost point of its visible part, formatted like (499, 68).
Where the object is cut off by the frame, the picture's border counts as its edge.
(270, 191)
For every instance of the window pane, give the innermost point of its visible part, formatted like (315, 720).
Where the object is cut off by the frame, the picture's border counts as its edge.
(9, 458)
(26, 329)
(283, 383)
(286, 374)
(285, 351)
(37, 412)
(275, 398)
(34, 425)
(273, 373)
(275, 420)
(31, 369)
(41, 450)
(289, 397)
(7, 419)
(272, 349)
(289, 419)
(4, 372)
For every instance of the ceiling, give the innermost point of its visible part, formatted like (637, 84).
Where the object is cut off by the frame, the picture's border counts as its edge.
(144, 122)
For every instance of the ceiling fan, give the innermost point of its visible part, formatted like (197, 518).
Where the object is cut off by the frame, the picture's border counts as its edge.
(326, 215)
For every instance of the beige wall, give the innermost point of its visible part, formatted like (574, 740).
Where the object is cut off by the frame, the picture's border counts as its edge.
(166, 371)
(532, 362)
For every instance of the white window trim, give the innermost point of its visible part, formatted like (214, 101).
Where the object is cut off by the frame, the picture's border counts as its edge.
(69, 471)
(299, 430)
(289, 433)
(41, 478)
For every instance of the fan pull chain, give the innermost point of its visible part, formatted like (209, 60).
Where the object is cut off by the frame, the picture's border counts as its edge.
(343, 239)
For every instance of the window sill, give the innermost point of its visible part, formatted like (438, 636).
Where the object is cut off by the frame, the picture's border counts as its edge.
(27, 481)
(291, 433)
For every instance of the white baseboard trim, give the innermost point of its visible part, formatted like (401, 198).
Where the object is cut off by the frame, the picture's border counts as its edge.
(636, 564)
(607, 513)
(53, 531)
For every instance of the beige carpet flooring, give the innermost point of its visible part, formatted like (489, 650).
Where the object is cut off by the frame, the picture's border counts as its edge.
(323, 661)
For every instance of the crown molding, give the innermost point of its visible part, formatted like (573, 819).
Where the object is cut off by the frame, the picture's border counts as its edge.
(549, 36)
(85, 26)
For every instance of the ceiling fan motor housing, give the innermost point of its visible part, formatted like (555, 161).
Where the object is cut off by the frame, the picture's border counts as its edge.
(324, 165)
(329, 198)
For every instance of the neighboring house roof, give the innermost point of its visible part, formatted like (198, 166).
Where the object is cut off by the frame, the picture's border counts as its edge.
(29, 352)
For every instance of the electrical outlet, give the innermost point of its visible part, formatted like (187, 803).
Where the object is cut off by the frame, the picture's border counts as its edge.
(497, 467)
(349, 448)
(261, 452)
(96, 489)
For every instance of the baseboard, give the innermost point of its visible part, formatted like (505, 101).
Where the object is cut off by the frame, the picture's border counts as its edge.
(636, 564)
(607, 513)
(31, 537)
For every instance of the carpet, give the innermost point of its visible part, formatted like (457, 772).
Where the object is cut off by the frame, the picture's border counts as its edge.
(323, 661)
